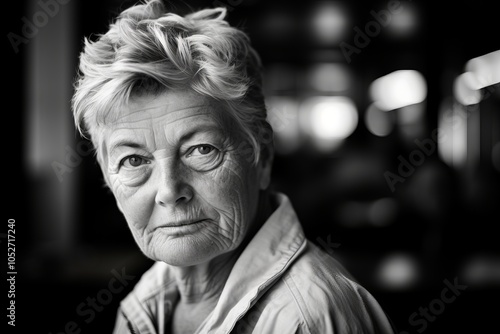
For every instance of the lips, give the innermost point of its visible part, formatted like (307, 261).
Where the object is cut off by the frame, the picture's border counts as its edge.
(183, 223)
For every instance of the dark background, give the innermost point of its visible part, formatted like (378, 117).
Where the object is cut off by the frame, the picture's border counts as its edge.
(437, 225)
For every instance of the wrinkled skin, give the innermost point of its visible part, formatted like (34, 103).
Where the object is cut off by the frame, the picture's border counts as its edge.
(173, 159)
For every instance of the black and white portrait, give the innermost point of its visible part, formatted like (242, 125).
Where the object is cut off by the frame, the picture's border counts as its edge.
(250, 166)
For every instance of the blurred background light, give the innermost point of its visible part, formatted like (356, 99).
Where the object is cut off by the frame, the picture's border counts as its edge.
(398, 271)
(329, 22)
(283, 115)
(50, 62)
(452, 138)
(411, 122)
(378, 122)
(404, 21)
(485, 69)
(398, 89)
(329, 77)
(328, 120)
(466, 89)
(482, 269)
(382, 211)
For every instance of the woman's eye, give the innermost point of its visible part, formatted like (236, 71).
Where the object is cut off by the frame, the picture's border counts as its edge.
(203, 157)
(133, 161)
(202, 150)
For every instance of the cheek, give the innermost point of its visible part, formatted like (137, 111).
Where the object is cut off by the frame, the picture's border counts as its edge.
(232, 190)
(136, 204)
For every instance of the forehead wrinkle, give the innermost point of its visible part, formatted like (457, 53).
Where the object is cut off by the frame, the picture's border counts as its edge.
(148, 112)
(157, 121)
(130, 126)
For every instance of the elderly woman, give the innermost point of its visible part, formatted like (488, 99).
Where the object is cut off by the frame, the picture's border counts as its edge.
(174, 108)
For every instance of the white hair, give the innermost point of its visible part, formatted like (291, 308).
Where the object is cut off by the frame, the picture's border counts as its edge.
(148, 50)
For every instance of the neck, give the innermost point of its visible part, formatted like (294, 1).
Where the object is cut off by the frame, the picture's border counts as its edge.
(202, 284)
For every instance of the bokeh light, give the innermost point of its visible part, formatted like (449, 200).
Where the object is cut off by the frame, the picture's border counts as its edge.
(452, 138)
(329, 22)
(329, 119)
(382, 211)
(398, 271)
(466, 89)
(398, 89)
(404, 21)
(485, 69)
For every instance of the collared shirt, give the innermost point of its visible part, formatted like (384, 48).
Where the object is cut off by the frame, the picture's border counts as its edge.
(281, 283)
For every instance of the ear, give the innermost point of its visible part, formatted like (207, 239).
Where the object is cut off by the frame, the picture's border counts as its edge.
(265, 164)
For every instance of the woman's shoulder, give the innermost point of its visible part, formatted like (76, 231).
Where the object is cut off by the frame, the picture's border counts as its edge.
(329, 297)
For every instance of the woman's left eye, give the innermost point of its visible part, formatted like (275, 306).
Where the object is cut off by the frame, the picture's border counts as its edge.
(202, 150)
(203, 157)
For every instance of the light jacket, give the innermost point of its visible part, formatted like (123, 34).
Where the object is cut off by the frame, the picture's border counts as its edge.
(281, 283)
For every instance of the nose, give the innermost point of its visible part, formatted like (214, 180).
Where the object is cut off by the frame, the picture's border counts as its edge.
(173, 188)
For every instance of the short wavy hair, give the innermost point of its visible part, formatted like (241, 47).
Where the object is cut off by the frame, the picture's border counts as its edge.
(149, 50)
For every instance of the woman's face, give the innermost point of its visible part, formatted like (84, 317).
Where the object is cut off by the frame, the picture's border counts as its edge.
(186, 190)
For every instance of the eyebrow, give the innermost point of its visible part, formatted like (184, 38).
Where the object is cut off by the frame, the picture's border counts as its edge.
(186, 136)
(125, 142)
(199, 128)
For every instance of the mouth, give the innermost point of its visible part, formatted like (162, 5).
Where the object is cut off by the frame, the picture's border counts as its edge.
(183, 223)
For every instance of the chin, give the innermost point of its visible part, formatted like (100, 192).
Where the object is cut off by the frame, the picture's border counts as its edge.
(182, 252)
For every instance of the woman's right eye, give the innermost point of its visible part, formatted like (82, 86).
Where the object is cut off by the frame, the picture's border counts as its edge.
(133, 161)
